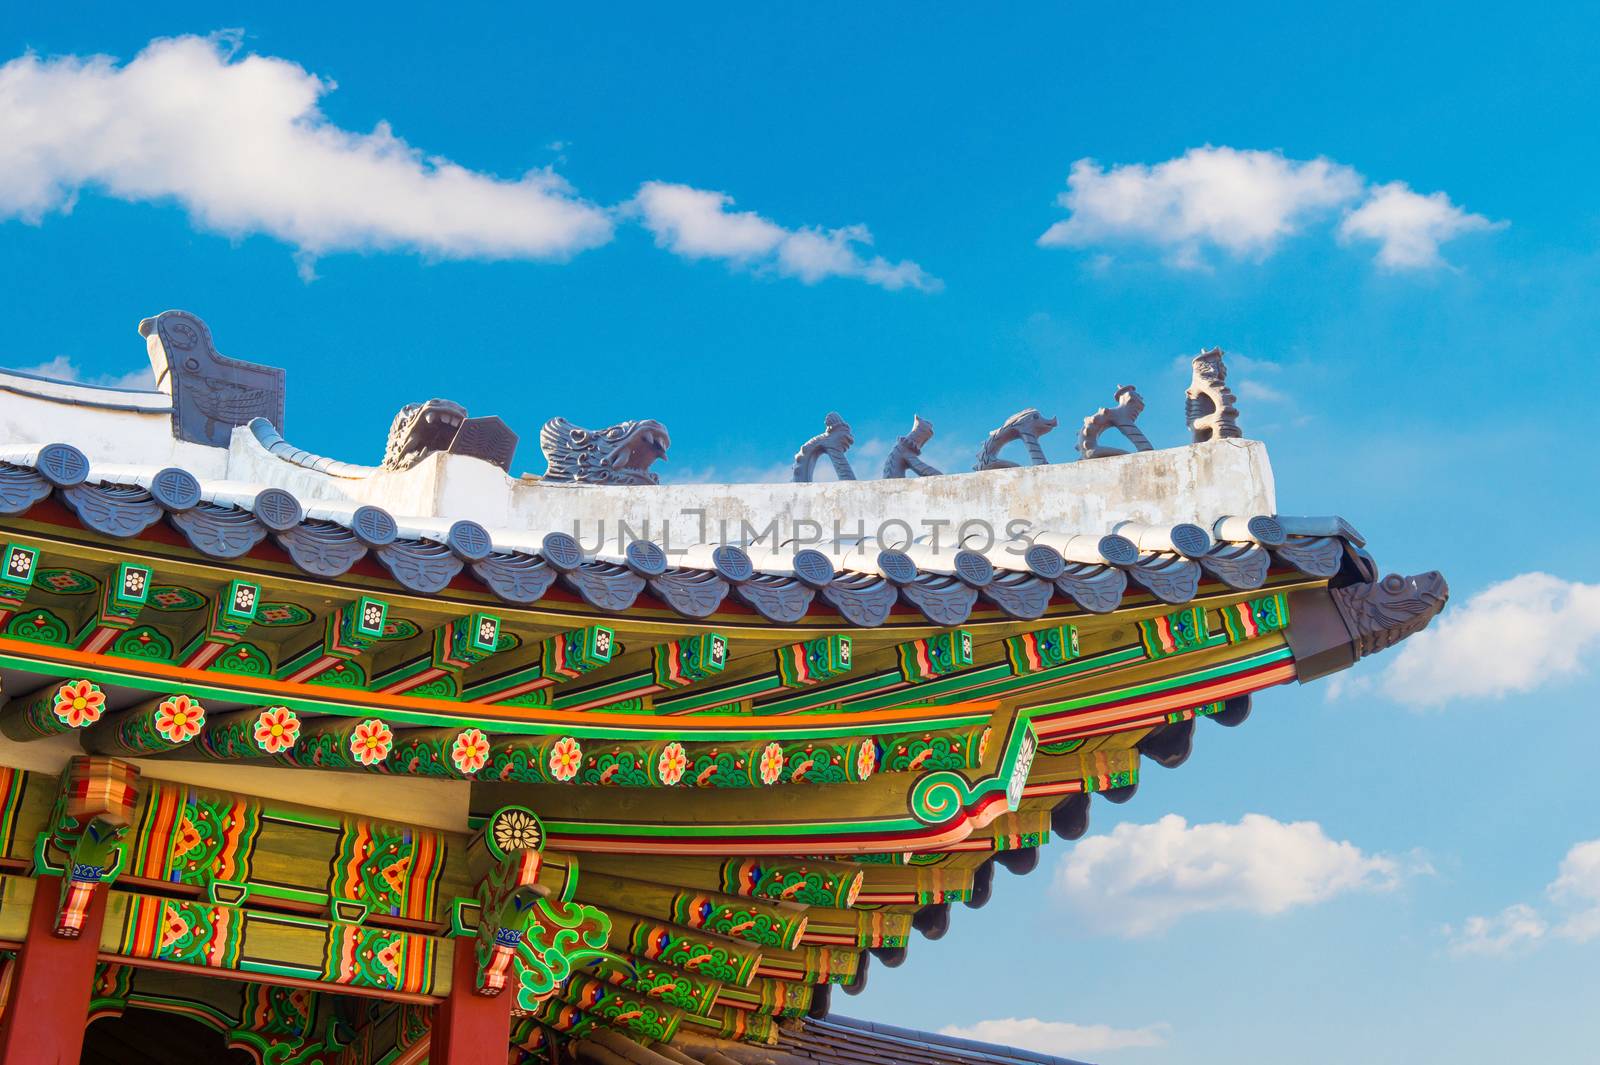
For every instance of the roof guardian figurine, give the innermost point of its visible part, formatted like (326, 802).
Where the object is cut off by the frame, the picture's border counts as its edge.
(1121, 418)
(1208, 405)
(906, 455)
(834, 440)
(1025, 425)
(621, 454)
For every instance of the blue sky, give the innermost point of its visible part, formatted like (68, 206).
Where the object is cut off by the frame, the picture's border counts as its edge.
(1420, 358)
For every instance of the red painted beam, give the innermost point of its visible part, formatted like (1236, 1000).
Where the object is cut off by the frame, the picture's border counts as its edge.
(468, 1028)
(49, 1007)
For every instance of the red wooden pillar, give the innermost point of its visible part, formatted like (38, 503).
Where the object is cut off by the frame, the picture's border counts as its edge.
(49, 1004)
(468, 1028)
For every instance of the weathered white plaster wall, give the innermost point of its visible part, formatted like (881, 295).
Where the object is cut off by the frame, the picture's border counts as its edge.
(33, 411)
(1199, 483)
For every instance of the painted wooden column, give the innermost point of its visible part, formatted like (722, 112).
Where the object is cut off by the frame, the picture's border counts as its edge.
(46, 1016)
(469, 1028)
(474, 1023)
(48, 1008)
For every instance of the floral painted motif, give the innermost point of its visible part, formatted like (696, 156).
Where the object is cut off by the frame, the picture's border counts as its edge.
(370, 742)
(516, 829)
(566, 757)
(672, 764)
(983, 742)
(79, 703)
(470, 752)
(771, 767)
(179, 719)
(866, 759)
(277, 729)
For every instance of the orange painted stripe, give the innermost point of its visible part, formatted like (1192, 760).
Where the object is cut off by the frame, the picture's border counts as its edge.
(1069, 724)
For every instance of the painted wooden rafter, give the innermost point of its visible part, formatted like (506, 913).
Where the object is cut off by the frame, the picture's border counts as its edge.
(228, 619)
(643, 1018)
(798, 666)
(19, 567)
(936, 656)
(755, 921)
(779, 998)
(348, 632)
(154, 726)
(57, 707)
(564, 657)
(457, 645)
(122, 598)
(676, 664)
(857, 928)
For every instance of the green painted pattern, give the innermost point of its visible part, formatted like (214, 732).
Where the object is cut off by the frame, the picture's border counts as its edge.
(738, 728)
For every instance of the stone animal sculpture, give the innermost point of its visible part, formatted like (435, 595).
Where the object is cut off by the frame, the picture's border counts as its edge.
(621, 454)
(906, 455)
(834, 440)
(421, 429)
(1025, 425)
(1122, 418)
(1209, 404)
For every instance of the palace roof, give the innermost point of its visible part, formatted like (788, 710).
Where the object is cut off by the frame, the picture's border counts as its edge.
(736, 740)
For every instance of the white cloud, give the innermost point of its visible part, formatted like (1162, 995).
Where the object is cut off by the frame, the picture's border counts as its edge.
(1510, 638)
(1577, 886)
(1513, 927)
(1260, 392)
(1409, 226)
(242, 145)
(1058, 1037)
(1244, 203)
(1140, 879)
(1574, 896)
(62, 368)
(700, 224)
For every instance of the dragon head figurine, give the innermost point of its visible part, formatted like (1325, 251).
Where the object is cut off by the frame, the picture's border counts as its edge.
(420, 429)
(621, 454)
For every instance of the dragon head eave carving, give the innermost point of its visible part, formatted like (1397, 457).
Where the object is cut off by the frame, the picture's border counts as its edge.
(1382, 613)
(621, 454)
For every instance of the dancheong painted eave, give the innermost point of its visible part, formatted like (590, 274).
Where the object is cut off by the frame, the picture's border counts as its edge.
(425, 760)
